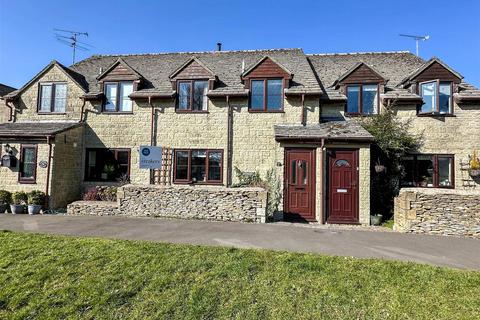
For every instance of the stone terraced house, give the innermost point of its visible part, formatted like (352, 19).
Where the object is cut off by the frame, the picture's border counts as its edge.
(70, 128)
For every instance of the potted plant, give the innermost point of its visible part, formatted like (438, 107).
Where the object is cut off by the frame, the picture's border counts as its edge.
(108, 171)
(474, 166)
(375, 219)
(36, 199)
(5, 200)
(19, 199)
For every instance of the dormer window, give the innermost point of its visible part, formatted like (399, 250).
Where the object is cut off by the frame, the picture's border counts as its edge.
(266, 95)
(437, 97)
(52, 97)
(192, 95)
(362, 99)
(117, 96)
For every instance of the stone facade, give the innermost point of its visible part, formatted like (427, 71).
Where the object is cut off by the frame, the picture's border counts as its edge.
(184, 202)
(457, 135)
(441, 212)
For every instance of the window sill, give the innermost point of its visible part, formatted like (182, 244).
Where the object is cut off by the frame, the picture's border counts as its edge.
(27, 181)
(265, 111)
(436, 115)
(117, 112)
(51, 113)
(191, 111)
(361, 114)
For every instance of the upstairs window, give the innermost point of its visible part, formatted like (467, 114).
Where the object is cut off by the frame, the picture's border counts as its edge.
(107, 164)
(266, 95)
(52, 98)
(198, 166)
(437, 97)
(116, 96)
(192, 95)
(362, 99)
(428, 171)
(28, 164)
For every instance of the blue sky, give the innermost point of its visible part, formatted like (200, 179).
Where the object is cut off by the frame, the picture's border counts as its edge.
(27, 41)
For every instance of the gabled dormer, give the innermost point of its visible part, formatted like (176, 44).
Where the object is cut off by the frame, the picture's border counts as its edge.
(191, 81)
(117, 82)
(362, 85)
(267, 81)
(436, 83)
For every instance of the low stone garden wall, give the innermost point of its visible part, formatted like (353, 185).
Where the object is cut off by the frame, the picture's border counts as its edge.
(185, 202)
(438, 211)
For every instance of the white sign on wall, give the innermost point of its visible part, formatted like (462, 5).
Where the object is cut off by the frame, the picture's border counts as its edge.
(150, 157)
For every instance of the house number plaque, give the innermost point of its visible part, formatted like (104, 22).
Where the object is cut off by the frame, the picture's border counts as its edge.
(43, 164)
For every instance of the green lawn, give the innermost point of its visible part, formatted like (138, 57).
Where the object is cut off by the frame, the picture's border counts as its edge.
(52, 277)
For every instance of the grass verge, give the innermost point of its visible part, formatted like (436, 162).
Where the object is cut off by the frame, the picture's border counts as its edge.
(52, 277)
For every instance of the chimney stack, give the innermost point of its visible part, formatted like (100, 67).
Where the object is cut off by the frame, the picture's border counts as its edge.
(219, 46)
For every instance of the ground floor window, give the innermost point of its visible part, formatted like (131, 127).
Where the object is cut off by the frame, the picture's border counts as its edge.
(198, 166)
(107, 165)
(27, 172)
(428, 171)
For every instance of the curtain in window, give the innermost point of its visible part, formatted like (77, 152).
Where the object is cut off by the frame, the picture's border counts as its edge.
(111, 96)
(28, 163)
(125, 90)
(369, 99)
(445, 171)
(214, 165)
(184, 89)
(46, 98)
(200, 89)
(60, 97)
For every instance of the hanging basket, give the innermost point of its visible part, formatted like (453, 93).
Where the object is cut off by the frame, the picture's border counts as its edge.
(474, 173)
(379, 168)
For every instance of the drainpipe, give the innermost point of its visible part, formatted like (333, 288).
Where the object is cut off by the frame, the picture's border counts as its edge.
(82, 110)
(303, 110)
(11, 107)
(229, 142)
(47, 187)
(322, 198)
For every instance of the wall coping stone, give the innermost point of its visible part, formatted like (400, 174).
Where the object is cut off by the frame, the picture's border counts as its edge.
(441, 191)
(219, 188)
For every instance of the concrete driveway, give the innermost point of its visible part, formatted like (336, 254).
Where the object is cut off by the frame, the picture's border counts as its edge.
(436, 250)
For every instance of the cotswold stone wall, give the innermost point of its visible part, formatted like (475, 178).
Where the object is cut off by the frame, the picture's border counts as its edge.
(436, 211)
(185, 202)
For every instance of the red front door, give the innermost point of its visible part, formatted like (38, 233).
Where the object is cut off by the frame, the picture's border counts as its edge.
(300, 184)
(342, 186)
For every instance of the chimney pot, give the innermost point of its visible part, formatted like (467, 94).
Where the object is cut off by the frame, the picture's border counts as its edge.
(219, 46)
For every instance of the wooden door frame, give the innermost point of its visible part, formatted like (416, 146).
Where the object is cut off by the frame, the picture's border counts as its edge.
(313, 177)
(328, 180)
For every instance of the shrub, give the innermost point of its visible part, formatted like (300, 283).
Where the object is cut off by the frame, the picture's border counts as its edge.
(475, 162)
(100, 193)
(19, 197)
(36, 197)
(5, 197)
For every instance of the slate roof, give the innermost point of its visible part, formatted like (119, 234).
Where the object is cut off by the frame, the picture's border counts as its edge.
(4, 89)
(333, 130)
(227, 65)
(35, 129)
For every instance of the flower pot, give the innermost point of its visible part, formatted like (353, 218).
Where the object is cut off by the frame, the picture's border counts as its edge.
(34, 208)
(3, 207)
(17, 208)
(375, 220)
(379, 168)
(474, 173)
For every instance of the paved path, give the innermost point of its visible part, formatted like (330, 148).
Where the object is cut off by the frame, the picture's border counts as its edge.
(436, 250)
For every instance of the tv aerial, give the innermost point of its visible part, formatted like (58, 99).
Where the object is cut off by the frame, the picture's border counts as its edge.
(416, 38)
(70, 38)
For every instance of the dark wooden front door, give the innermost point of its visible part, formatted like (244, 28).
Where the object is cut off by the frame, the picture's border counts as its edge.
(300, 184)
(342, 186)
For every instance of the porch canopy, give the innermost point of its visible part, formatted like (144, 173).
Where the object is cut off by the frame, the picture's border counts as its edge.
(34, 130)
(339, 131)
